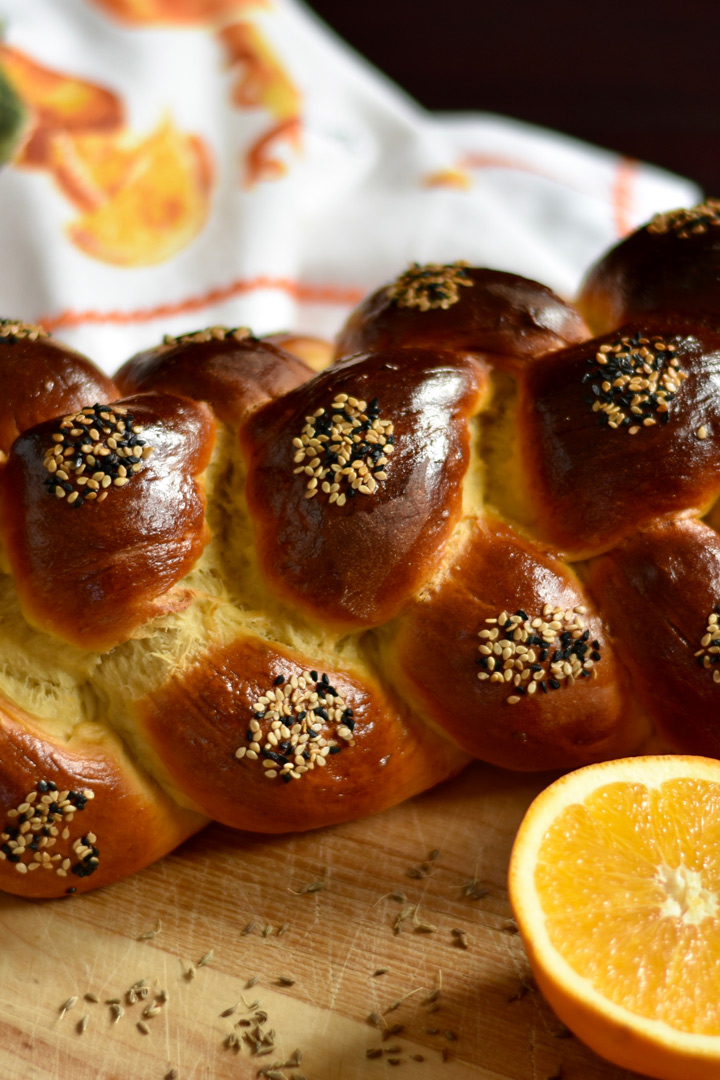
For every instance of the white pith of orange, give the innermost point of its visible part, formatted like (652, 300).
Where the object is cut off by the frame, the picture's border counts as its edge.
(621, 860)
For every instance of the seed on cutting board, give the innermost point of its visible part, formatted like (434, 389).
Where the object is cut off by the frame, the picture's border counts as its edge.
(118, 1011)
(172, 1075)
(247, 929)
(373, 1052)
(406, 912)
(149, 934)
(151, 1010)
(451, 1036)
(283, 980)
(374, 1019)
(143, 1027)
(380, 971)
(281, 929)
(229, 1012)
(417, 1057)
(82, 1024)
(460, 937)
(91, 997)
(70, 1003)
(394, 1029)
(474, 889)
(313, 887)
(206, 958)
(267, 930)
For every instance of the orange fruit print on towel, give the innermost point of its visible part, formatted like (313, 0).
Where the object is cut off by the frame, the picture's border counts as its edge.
(260, 80)
(141, 199)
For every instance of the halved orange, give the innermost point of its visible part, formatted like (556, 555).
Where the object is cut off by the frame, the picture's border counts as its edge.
(615, 885)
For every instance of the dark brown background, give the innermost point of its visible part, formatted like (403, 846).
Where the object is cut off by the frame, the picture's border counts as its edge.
(638, 77)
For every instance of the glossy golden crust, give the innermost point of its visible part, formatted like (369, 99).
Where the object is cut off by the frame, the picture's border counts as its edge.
(231, 370)
(42, 379)
(93, 817)
(453, 655)
(94, 572)
(199, 719)
(660, 592)
(354, 560)
(672, 264)
(320, 593)
(487, 311)
(591, 484)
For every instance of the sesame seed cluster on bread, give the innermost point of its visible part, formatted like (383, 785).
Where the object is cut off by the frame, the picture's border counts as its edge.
(281, 583)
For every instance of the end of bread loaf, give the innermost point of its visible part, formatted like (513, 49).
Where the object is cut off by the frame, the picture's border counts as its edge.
(76, 813)
(669, 266)
(660, 592)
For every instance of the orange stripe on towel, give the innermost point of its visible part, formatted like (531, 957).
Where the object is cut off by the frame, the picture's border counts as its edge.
(312, 294)
(622, 195)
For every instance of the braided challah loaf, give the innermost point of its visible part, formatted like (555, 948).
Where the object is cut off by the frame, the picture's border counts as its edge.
(236, 585)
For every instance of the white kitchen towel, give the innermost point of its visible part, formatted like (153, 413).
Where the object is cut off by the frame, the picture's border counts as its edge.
(173, 164)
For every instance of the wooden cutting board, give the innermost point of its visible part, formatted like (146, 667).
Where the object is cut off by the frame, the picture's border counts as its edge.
(346, 944)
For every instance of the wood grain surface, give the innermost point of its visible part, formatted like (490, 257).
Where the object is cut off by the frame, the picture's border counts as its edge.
(351, 941)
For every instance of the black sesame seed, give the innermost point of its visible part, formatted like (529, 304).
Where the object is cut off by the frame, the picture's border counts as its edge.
(335, 749)
(279, 680)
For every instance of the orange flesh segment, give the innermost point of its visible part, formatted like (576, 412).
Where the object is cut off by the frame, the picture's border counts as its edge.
(629, 881)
